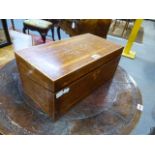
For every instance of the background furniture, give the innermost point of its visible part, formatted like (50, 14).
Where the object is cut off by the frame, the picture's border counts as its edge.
(74, 27)
(56, 24)
(41, 26)
(12, 24)
(4, 34)
(126, 26)
(98, 27)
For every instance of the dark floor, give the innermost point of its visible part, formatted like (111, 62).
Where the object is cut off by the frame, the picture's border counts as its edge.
(142, 69)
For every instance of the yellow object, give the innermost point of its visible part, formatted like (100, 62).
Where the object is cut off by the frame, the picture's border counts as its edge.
(127, 50)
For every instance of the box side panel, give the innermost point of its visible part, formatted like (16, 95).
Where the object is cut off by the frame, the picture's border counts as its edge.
(27, 69)
(84, 86)
(42, 97)
(38, 94)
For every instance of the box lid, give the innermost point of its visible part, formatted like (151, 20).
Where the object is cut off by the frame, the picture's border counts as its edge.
(64, 61)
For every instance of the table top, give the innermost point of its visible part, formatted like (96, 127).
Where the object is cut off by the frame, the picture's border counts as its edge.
(111, 109)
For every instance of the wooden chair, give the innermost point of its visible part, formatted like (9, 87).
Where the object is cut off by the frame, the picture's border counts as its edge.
(126, 26)
(41, 26)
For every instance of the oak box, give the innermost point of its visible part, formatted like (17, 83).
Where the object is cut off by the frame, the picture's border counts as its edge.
(57, 75)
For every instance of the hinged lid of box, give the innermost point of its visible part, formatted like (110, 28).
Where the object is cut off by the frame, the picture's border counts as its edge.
(63, 62)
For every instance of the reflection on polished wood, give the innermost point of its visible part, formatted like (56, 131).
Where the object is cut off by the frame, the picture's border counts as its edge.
(110, 109)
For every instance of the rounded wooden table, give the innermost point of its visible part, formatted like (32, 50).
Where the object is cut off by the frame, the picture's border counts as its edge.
(111, 109)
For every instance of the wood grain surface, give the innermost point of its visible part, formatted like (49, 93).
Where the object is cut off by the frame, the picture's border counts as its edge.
(81, 63)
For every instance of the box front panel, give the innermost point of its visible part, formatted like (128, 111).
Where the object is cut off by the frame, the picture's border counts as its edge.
(83, 87)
